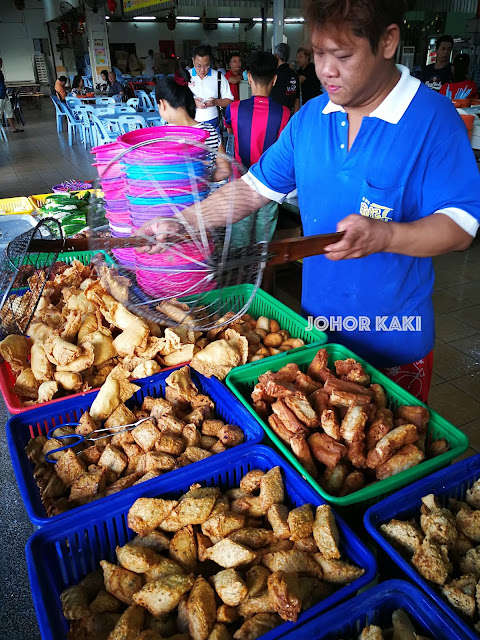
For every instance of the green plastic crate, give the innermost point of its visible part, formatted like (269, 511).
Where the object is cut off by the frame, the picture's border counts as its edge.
(85, 257)
(241, 382)
(261, 303)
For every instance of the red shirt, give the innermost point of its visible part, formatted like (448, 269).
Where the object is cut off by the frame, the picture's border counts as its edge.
(234, 88)
(456, 86)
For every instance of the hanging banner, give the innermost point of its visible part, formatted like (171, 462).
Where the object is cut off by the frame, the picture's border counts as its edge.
(130, 6)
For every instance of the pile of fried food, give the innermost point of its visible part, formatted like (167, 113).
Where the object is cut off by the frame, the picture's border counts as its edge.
(402, 629)
(443, 544)
(81, 331)
(181, 429)
(212, 566)
(338, 426)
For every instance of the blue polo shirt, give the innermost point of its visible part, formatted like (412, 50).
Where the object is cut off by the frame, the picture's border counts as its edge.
(411, 158)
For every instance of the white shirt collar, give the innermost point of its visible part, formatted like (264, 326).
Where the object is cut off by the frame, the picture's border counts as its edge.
(395, 104)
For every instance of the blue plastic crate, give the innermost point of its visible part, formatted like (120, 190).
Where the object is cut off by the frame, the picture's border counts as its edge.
(376, 606)
(60, 555)
(39, 422)
(404, 505)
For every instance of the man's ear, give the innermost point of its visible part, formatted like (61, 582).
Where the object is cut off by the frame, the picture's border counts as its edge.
(390, 41)
(249, 76)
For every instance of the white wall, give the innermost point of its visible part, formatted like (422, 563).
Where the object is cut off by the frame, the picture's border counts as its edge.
(147, 34)
(17, 30)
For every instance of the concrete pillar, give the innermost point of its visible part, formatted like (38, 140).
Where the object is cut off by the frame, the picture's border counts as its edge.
(278, 16)
(98, 47)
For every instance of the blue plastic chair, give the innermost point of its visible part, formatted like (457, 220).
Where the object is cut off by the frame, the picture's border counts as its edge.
(105, 111)
(157, 121)
(74, 123)
(130, 122)
(3, 135)
(87, 82)
(118, 98)
(83, 112)
(105, 100)
(72, 101)
(134, 102)
(124, 109)
(145, 102)
(102, 134)
(59, 114)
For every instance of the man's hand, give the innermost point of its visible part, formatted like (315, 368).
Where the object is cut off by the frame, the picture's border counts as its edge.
(363, 236)
(200, 104)
(210, 102)
(157, 231)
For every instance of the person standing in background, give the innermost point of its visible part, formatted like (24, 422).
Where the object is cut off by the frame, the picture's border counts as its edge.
(310, 86)
(5, 104)
(150, 64)
(286, 90)
(234, 76)
(210, 89)
(468, 88)
(256, 124)
(436, 74)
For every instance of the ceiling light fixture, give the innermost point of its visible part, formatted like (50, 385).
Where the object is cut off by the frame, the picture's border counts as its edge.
(294, 20)
(229, 19)
(260, 19)
(144, 18)
(188, 18)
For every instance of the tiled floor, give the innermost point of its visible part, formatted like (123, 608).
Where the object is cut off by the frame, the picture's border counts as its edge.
(37, 159)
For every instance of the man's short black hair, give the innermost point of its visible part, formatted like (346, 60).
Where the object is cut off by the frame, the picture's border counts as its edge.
(150, 52)
(263, 67)
(444, 38)
(63, 78)
(234, 55)
(202, 51)
(282, 50)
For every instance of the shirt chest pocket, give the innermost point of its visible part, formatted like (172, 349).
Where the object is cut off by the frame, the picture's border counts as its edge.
(380, 203)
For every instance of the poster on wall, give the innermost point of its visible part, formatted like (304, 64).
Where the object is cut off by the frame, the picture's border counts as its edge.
(135, 5)
(100, 56)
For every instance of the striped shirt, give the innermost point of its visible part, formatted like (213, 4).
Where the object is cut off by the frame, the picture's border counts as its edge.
(212, 142)
(257, 124)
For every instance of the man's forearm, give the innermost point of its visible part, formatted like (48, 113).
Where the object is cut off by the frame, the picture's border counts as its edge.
(428, 237)
(231, 203)
(222, 102)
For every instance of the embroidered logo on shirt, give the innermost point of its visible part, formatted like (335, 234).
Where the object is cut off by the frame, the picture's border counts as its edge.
(376, 211)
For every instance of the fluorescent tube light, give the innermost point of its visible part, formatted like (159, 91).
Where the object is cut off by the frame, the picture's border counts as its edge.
(144, 18)
(188, 18)
(294, 20)
(229, 19)
(259, 19)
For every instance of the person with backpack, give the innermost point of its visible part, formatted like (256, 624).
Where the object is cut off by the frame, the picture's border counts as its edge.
(211, 90)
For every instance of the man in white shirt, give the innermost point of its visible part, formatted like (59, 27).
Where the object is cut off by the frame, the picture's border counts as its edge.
(210, 88)
(149, 64)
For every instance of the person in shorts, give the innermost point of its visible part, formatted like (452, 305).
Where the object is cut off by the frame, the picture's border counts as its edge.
(5, 104)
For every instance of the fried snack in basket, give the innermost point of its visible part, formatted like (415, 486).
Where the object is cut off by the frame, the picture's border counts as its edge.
(338, 426)
(207, 583)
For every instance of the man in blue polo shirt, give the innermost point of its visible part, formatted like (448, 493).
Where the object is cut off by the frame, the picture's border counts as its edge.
(366, 158)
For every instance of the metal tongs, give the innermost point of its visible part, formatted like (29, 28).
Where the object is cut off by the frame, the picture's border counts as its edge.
(78, 439)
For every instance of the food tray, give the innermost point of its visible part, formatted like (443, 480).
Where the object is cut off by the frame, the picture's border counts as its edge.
(376, 606)
(62, 554)
(448, 483)
(7, 378)
(263, 304)
(242, 381)
(39, 422)
(19, 204)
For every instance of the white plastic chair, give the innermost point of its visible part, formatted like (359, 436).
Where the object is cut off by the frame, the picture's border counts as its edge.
(134, 102)
(131, 122)
(124, 108)
(105, 100)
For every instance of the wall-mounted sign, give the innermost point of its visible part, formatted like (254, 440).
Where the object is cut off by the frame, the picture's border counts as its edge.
(134, 5)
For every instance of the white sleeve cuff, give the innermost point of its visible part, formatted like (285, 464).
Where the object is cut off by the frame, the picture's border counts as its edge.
(464, 219)
(260, 188)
